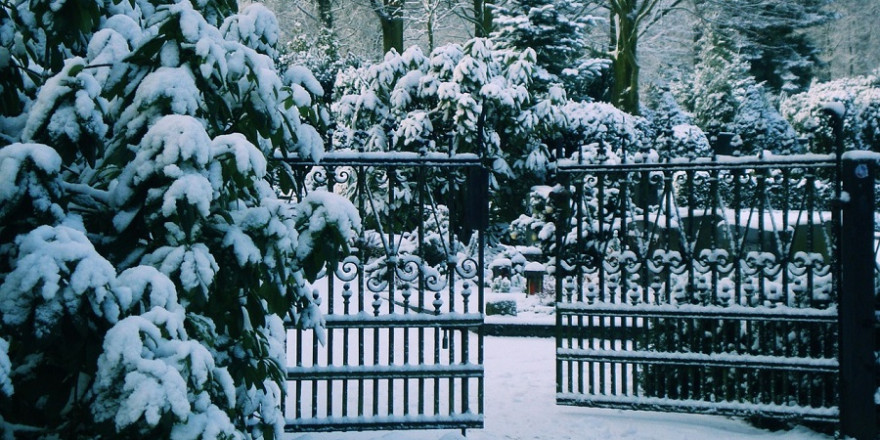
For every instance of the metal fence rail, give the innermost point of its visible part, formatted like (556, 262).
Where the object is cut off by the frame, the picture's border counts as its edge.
(397, 350)
(702, 287)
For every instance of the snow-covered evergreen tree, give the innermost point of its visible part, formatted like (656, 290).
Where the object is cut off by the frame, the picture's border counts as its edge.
(674, 131)
(556, 31)
(724, 97)
(146, 263)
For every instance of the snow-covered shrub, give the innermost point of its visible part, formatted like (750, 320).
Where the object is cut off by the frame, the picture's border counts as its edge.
(6, 387)
(860, 97)
(760, 127)
(600, 133)
(724, 97)
(684, 141)
(411, 101)
(320, 54)
(673, 128)
(146, 262)
(537, 227)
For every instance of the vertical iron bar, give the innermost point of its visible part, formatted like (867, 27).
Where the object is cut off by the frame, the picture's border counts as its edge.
(437, 362)
(298, 413)
(392, 266)
(375, 362)
(422, 188)
(314, 382)
(331, 296)
(361, 285)
(451, 265)
(579, 273)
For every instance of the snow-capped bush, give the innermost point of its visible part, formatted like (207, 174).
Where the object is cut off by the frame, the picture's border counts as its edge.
(536, 228)
(470, 98)
(149, 370)
(860, 97)
(146, 262)
(684, 141)
(599, 132)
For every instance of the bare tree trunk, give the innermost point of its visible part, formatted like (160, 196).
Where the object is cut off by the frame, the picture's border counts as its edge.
(624, 58)
(482, 19)
(430, 26)
(390, 13)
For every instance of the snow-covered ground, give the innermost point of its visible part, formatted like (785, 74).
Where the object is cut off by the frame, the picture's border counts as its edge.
(520, 405)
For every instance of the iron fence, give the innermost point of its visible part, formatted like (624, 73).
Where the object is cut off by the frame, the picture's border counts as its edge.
(701, 287)
(396, 351)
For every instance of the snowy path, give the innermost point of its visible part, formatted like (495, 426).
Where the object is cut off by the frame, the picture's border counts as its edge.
(520, 406)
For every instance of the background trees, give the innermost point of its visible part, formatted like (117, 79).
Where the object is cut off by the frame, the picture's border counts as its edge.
(771, 36)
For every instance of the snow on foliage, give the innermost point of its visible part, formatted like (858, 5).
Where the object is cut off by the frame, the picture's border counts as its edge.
(860, 98)
(161, 373)
(434, 102)
(725, 97)
(480, 98)
(57, 272)
(146, 261)
(557, 33)
(25, 171)
(325, 223)
(256, 27)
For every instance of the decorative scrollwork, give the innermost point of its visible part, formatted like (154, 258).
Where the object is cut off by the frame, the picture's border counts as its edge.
(664, 259)
(757, 262)
(348, 268)
(344, 175)
(408, 267)
(376, 282)
(319, 176)
(802, 262)
(467, 268)
(657, 178)
(433, 280)
(717, 260)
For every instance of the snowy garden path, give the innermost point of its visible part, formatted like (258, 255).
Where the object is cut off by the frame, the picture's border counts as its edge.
(520, 405)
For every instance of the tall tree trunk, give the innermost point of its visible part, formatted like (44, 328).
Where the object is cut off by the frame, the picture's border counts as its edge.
(390, 13)
(624, 60)
(430, 26)
(392, 33)
(482, 19)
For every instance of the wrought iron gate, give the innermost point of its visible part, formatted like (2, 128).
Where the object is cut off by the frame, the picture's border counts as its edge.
(707, 287)
(398, 351)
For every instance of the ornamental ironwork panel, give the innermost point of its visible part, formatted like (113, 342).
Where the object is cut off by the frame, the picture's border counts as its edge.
(701, 287)
(398, 349)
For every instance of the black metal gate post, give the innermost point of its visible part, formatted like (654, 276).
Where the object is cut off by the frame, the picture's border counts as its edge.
(857, 364)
